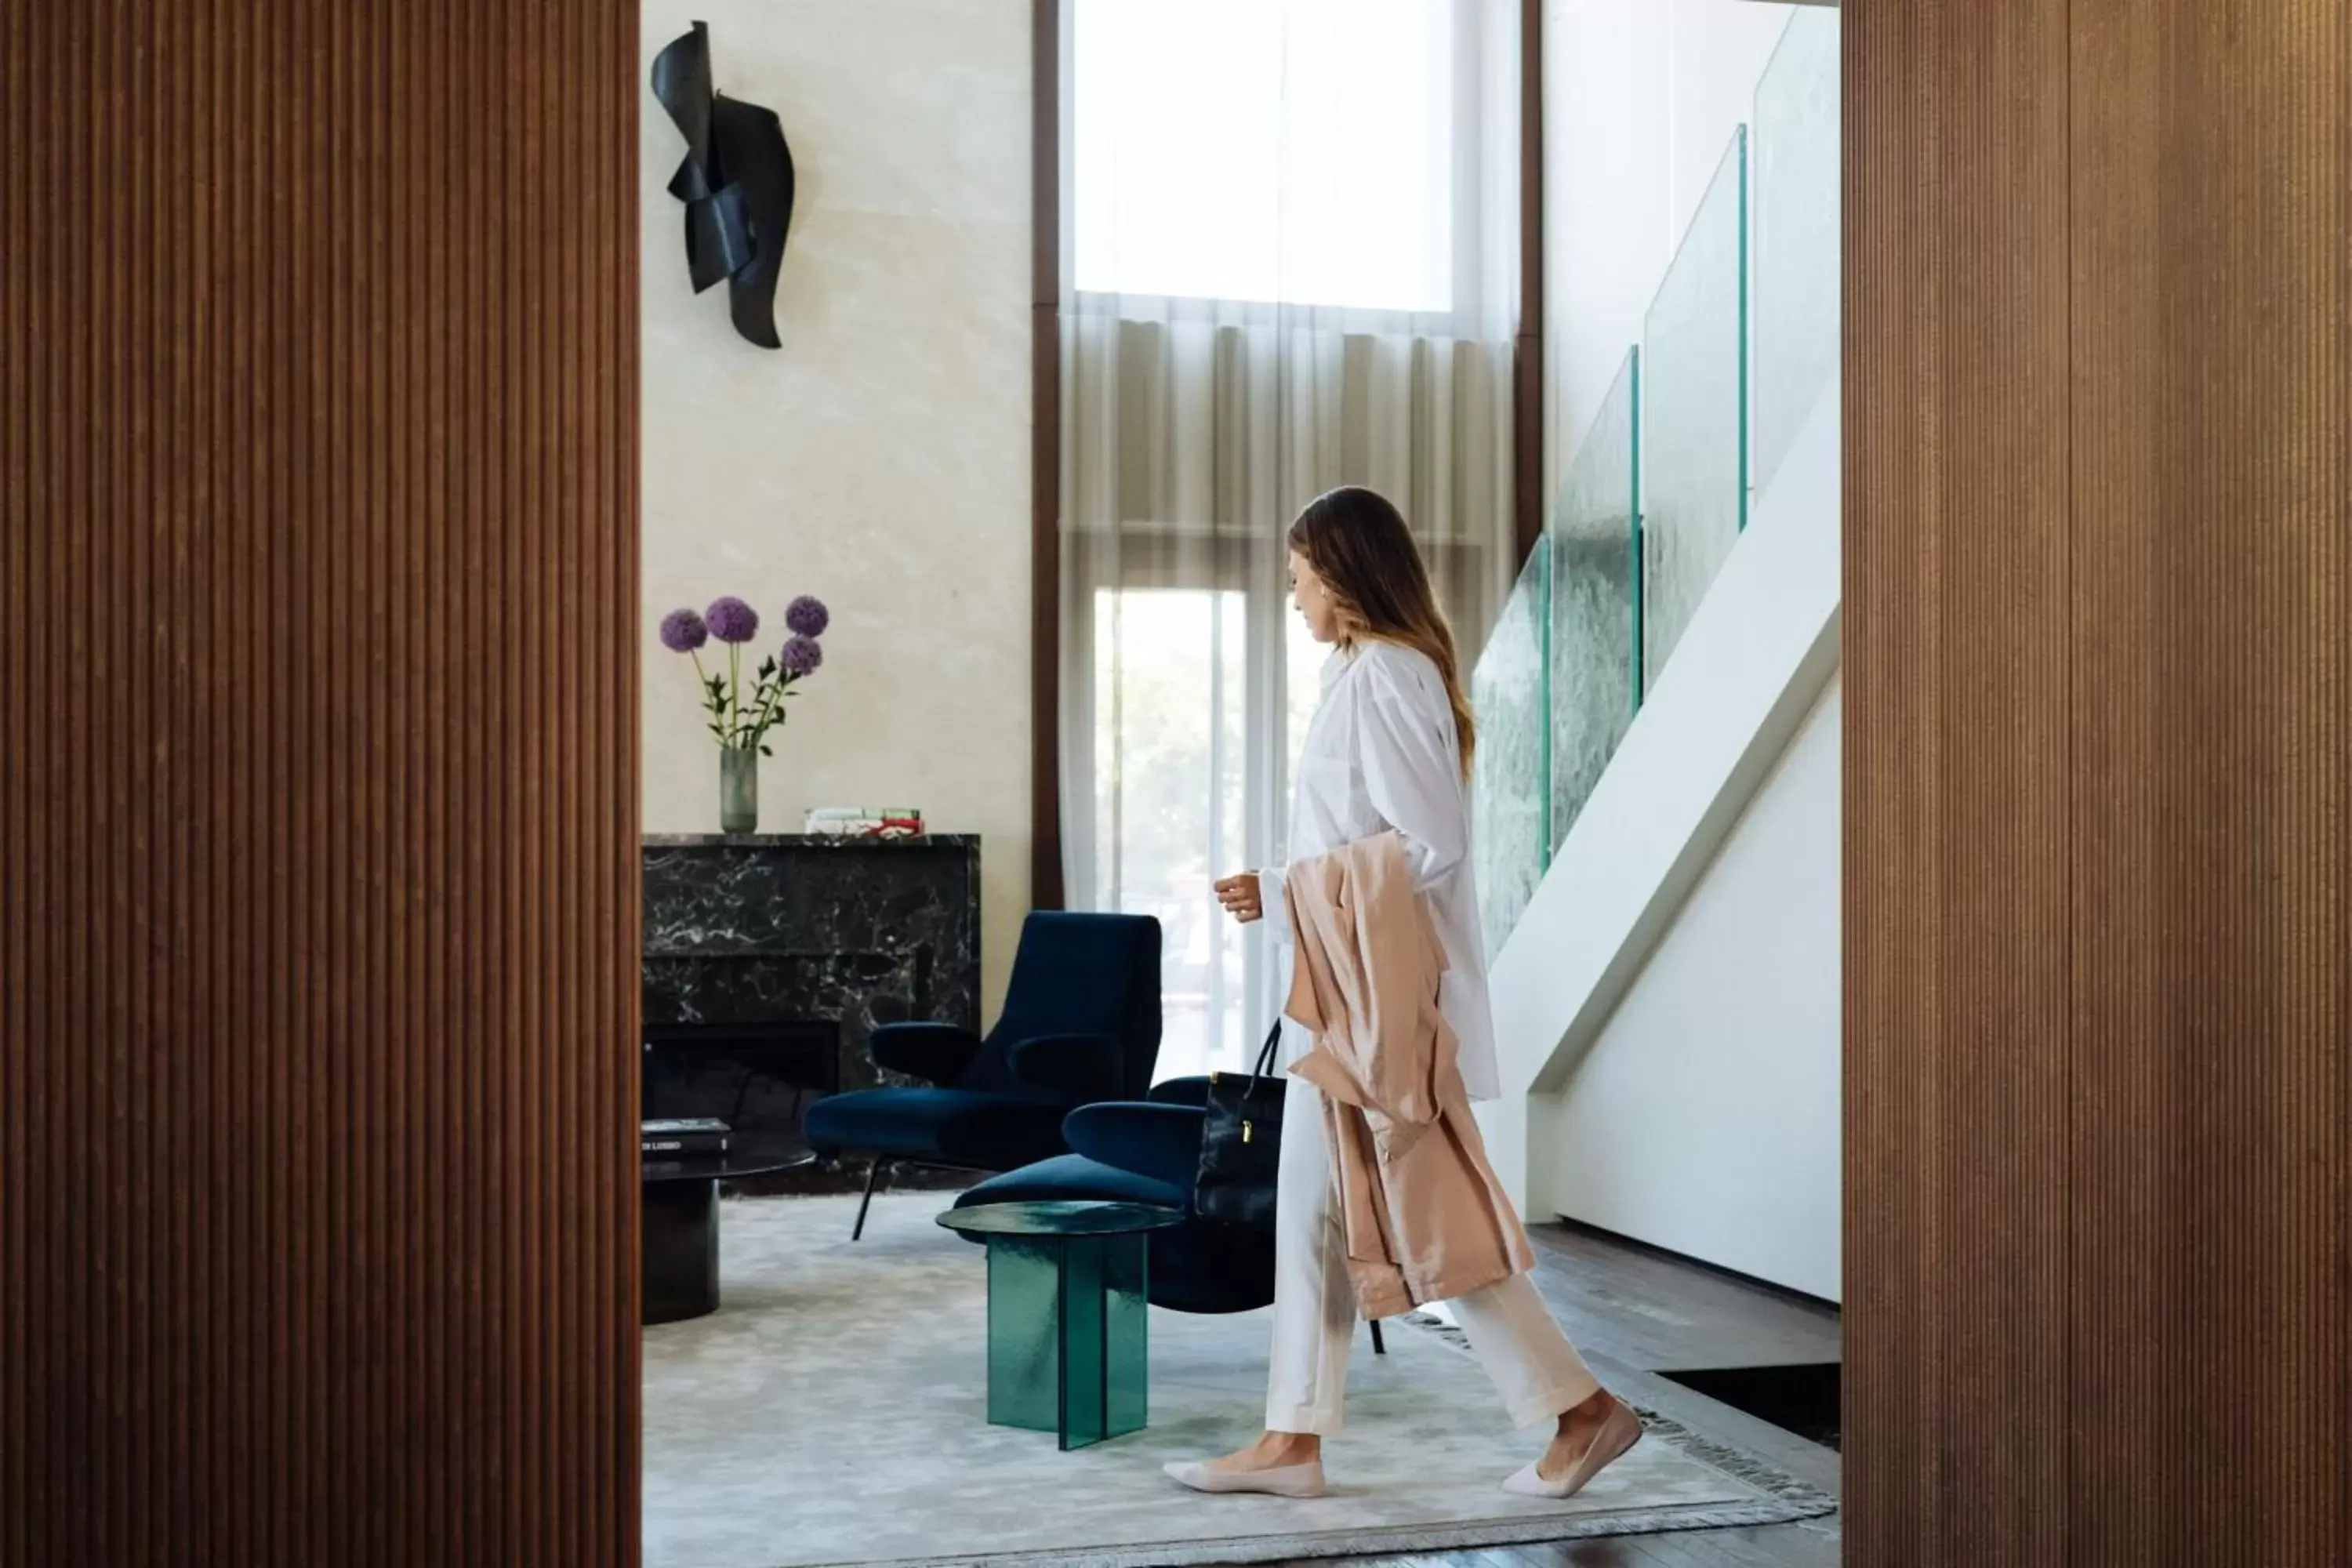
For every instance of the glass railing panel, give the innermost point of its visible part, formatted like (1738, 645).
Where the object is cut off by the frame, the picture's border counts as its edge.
(1796, 235)
(1509, 789)
(1693, 413)
(1595, 651)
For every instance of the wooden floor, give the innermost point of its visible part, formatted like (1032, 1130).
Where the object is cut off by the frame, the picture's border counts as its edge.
(1634, 1314)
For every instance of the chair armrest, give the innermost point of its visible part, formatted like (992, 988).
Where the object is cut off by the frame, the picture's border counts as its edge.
(1192, 1091)
(1084, 1067)
(936, 1052)
(1162, 1141)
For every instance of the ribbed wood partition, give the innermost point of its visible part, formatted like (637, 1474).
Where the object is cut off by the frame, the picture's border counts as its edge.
(317, 620)
(2098, 639)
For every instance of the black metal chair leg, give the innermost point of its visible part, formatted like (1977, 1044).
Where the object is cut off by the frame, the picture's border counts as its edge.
(1380, 1345)
(873, 1175)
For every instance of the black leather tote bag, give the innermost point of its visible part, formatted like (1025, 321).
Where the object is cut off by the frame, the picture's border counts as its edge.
(1241, 1143)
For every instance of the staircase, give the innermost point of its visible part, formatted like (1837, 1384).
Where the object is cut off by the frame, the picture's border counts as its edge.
(1671, 634)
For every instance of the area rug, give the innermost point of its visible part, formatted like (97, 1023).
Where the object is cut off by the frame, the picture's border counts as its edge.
(834, 1411)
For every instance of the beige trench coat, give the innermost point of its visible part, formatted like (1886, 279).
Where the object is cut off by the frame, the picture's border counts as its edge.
(1424, 1217)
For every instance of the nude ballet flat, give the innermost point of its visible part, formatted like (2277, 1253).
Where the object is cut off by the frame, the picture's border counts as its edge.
(1285, 1480)
(1619, 1433)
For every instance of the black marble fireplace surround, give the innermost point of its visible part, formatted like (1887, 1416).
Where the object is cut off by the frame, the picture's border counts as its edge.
(802, 930)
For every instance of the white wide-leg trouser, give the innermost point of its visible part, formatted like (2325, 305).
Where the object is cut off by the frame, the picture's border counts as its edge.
(1533, 1367)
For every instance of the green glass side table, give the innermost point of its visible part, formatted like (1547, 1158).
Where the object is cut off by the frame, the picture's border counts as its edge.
(1069, 1316)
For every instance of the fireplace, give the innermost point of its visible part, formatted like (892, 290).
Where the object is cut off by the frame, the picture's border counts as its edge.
(771, 958)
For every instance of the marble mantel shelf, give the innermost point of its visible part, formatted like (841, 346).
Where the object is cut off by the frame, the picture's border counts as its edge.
(808, 841)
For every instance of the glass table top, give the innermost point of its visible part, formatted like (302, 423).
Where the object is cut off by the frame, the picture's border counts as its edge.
(748, 1157)
(1060, 1218)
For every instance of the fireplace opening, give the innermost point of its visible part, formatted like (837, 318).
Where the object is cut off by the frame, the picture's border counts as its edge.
(759, 1078)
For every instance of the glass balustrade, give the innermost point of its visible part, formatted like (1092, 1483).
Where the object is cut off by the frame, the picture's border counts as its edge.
(1595, 631)
(1796, 238)
(1662, 484)
(1695, 413)
(1509, 789)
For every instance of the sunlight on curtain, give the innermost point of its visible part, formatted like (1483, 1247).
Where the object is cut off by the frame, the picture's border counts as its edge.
(1291, 226)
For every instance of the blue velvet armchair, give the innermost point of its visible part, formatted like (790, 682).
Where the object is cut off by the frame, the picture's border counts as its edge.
(1081, 1023)
(1148, 1152)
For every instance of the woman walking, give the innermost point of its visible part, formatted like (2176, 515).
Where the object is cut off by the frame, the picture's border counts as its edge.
(1383, 764)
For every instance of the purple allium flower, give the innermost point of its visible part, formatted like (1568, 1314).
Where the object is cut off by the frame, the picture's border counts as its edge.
(732, 620)
(682, 631)
(808, 615)
(801, 655)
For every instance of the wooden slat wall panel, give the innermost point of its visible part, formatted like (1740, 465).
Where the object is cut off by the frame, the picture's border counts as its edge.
(2211, 1382)
(1046, 890)
(1530, 499)
(2099, 635)
(318, 897)
(1957, 902)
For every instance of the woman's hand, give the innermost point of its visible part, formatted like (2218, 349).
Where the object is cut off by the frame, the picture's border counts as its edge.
(1240, 896)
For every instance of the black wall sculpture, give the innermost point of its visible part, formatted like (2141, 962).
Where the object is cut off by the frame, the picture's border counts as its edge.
(736, 182)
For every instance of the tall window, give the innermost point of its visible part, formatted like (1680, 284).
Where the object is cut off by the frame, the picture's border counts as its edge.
(1258, 150)
(1288, 239)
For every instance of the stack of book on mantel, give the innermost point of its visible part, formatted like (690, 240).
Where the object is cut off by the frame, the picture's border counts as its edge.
(701, 1138)
(865, 821)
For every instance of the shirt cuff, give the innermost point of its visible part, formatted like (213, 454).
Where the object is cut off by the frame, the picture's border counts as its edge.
(1274, 902)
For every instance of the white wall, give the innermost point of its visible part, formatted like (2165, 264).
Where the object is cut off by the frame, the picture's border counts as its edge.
(880, 460)
(1641, 98)
(1706, 1116)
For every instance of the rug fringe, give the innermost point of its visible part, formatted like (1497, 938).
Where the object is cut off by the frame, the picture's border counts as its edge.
(1737, 1463)
(1387, 1541)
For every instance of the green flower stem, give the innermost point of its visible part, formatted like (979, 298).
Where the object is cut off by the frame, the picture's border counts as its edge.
(726, 710)
(702, 683)
(769, 712)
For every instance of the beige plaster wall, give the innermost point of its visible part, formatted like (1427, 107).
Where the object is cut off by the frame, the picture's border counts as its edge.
(880, 460)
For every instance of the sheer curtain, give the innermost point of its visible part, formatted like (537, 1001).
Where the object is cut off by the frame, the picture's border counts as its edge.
(1289, 255)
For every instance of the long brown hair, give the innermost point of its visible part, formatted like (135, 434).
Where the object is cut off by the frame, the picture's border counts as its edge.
(1358, 544)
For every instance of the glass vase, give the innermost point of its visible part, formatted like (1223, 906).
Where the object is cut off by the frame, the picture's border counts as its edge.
(739, 790)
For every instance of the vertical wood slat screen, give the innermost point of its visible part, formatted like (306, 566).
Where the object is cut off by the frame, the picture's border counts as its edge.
(2211, 1121)
(1957, 898)
(318, 886)
(2098, 924)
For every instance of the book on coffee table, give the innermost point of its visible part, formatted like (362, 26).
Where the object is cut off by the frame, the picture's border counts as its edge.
(699, 1137)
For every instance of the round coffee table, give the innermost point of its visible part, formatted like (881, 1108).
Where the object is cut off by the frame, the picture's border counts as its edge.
(679, 1226)
(1068, 1313)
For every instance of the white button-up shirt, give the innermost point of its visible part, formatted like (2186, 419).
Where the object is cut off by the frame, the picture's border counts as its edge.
(1380, 754)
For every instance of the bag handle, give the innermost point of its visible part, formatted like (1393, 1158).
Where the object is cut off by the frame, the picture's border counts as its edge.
(1266, 1058)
